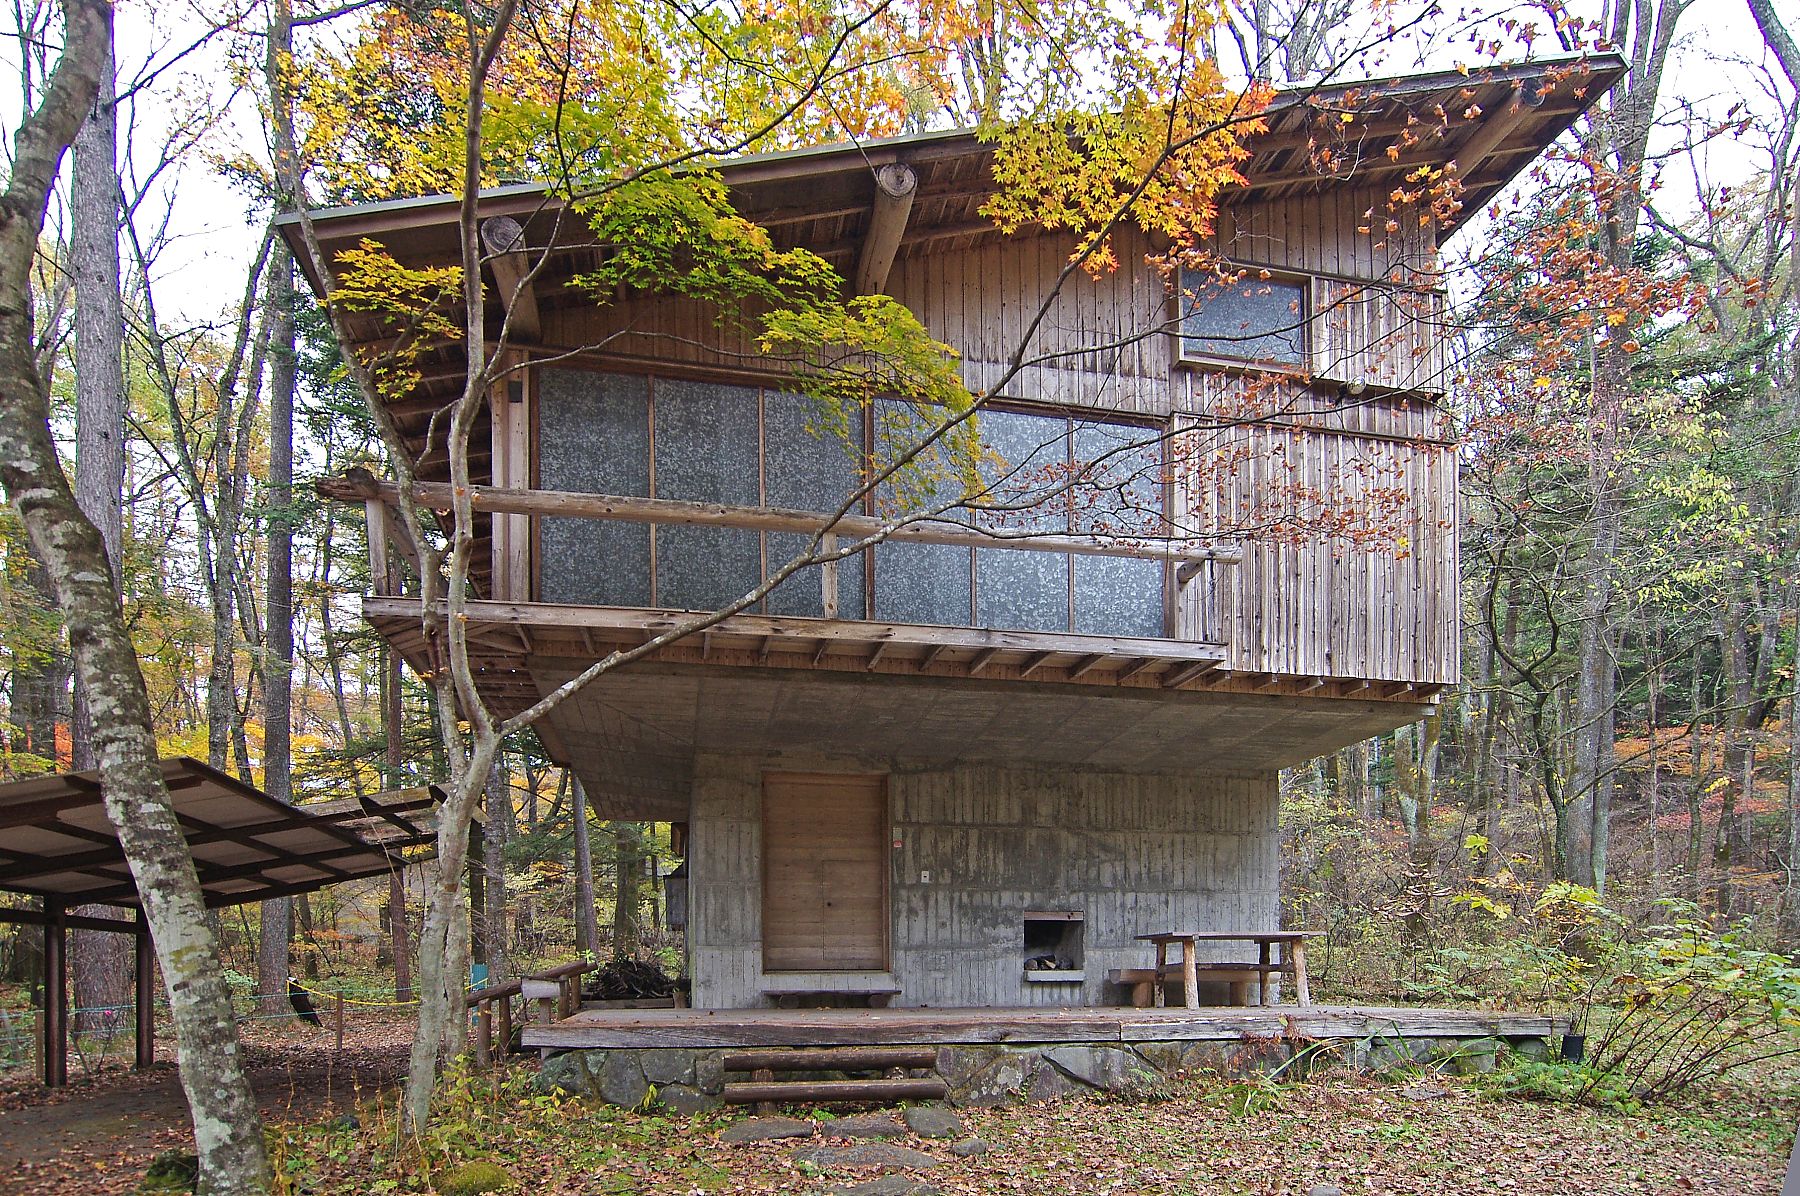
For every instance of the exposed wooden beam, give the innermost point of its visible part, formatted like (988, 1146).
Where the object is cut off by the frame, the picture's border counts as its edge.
(880, 651)
(503, 238)
(895, 186)
(1086, 665)
(1495, 129)
(1184, 675)
(982, 659)
(1035, 663)
(1134, 669)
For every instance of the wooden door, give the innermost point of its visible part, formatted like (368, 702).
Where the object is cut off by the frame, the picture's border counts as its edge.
(825, 873)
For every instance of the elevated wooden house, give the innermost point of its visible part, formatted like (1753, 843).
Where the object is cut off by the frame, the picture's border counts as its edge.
(913, 775)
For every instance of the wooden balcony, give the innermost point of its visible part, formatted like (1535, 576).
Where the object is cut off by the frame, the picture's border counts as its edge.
(511, 637)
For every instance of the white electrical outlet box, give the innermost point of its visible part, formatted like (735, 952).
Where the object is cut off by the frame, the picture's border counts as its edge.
(925, 878)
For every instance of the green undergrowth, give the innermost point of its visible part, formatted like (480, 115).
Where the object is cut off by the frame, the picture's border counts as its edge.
(496, 1120)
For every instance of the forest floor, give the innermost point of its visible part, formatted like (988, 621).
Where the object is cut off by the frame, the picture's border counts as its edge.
(98, 1134)
(1355, 1135)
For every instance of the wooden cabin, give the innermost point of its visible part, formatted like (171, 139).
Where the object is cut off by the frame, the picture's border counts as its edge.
(961, 770)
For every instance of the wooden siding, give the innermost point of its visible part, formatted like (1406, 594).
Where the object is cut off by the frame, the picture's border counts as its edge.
(1132, 853)
(1350, 544)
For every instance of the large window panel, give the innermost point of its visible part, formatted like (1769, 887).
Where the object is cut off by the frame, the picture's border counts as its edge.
(1118, 596)
(703, 568)
(706, 451)
(1027, 471)
(1251, 319)
(1117, 488)
(594, 437)
(922, 583)
(706, 443)
(807, 469)
(1021, 591)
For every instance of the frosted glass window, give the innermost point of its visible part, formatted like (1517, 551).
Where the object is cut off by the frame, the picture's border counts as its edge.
(706, 443)
(706, 451)
(1118, 492)
(594, 438)
(922, 583)
(1118, 596)
(1027, 471)
(1021, 591)
(807, 468)
(1117, 483)
(1251, 319)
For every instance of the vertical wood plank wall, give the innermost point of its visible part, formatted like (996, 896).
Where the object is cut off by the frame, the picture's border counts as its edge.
(1132, 853)
(1350, 568)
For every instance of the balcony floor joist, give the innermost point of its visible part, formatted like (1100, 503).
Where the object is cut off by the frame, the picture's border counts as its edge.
(507, 638)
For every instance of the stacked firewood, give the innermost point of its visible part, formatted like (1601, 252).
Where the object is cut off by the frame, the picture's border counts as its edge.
(629, 980)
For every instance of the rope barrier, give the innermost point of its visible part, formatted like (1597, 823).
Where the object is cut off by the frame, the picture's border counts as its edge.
(338, 996)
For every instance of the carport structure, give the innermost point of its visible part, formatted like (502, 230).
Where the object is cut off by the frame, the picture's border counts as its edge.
(57, 844)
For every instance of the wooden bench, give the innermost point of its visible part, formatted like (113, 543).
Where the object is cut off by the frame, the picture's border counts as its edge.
(791, 995)
(1142, 981)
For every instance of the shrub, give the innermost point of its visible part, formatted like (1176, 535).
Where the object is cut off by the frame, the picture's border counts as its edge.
(1684, 1005)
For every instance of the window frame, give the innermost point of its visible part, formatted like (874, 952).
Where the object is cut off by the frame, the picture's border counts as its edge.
(1304, 281)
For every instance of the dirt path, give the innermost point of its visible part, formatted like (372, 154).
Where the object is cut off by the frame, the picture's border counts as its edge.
(96, 1135)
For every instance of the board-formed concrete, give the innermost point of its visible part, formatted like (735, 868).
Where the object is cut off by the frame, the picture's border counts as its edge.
(975, 849)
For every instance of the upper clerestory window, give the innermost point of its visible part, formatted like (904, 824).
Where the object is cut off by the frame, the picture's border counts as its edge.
(1253, 319)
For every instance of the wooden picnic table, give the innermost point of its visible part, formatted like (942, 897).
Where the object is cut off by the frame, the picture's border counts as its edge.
(1293, 959)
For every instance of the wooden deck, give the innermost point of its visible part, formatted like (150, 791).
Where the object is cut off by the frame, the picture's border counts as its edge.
(710, 1028)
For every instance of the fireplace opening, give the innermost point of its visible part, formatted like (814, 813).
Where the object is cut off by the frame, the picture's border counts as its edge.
(1053, 945)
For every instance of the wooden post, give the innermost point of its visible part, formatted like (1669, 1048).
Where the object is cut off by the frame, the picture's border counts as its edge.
(475, 881)
(503, 1011)
(1162, 972)
(828, 576)
(145, 996)
(1190, 975)
(337, 1017)
(764, 1075)
(1262, 972)
(484, 1034)
(375, 510)
(56, 994)
(1302, 993)
(37, 1041)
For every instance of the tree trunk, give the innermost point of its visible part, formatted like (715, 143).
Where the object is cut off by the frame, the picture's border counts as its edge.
(1738, 755)
(587, 928)
(227, 1130)
(496, 834)
(101, 962)
(273, 954)
(398, 930)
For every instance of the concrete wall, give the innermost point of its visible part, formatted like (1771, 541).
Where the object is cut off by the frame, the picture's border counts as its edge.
(1132, 853)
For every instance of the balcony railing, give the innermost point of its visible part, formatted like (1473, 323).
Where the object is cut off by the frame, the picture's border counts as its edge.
(1190, 592)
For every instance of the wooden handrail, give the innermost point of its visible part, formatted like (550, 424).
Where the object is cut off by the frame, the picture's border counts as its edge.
(624, 508)
(511, 988)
